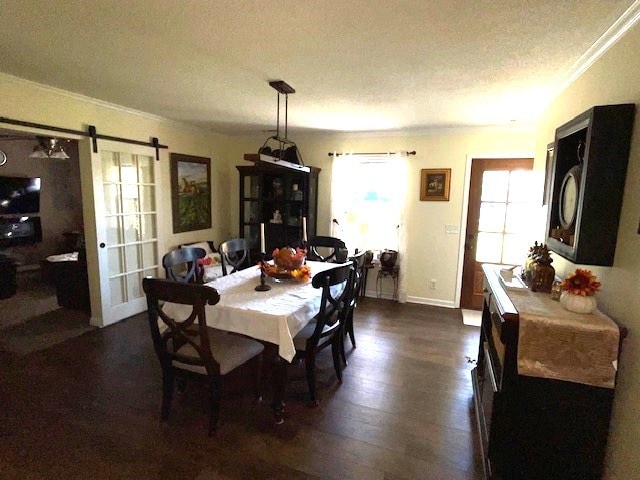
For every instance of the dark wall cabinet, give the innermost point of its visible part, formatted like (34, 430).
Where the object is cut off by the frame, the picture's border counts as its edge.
(590, 163)
(279, 197)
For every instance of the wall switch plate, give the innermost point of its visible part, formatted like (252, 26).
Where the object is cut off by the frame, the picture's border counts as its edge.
(452, 229)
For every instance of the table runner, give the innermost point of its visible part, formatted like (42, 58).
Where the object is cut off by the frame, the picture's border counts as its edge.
(562, 345)
(274, 316)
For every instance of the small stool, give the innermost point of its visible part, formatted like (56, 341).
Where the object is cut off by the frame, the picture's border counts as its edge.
(383, 273)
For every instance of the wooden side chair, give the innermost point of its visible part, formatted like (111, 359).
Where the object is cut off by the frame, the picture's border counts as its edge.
(352, 298)
(181, 265)
(186, 347)
(334, 246)
(235, 255)
(327, 326)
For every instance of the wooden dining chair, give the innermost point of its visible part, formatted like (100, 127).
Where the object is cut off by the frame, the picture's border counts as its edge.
(352, 297)
(334, 246)
(186, 347)
(181, 265)
(235, 255)
(327, 326)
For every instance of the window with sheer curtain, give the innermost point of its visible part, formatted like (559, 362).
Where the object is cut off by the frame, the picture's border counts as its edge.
(368, 200)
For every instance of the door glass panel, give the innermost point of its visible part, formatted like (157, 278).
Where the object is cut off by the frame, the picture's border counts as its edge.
(489, 247)
(495, 186)
(491, 217)
(132, 228)
(134, 286)
(148, 254)
(132, 257)
(112, 198)
(518, 218)
(148, 225)
(126, 160)
(513, 247)
(520, 186)
(114, 230)
(110, 167)
(147, 198)
(117, 288)
(116, 260)
(145, 169)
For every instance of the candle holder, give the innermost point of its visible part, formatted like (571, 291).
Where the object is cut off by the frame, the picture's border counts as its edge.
(263, 287)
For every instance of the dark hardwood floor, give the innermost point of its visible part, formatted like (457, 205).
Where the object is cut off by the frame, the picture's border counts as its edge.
(89, 408)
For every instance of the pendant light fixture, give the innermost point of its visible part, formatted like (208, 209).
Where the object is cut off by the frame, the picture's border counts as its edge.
(48, 147)
(280, 150)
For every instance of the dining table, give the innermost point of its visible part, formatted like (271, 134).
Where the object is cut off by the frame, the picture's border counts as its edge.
(272, 316)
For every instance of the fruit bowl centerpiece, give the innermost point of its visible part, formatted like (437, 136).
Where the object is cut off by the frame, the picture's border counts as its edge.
(288, 263)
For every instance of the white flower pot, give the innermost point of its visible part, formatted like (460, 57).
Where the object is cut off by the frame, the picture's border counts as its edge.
(578, 303)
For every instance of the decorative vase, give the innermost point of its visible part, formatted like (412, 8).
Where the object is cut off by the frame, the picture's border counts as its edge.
(578, 303)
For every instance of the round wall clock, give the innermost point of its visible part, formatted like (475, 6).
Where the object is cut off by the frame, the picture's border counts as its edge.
(3, 158)
(569, 196)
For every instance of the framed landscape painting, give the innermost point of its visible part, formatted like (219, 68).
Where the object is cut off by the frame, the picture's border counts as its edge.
(190, 192)
(434, 184)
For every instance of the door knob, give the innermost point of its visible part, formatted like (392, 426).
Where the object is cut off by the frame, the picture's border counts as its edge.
(102, 245)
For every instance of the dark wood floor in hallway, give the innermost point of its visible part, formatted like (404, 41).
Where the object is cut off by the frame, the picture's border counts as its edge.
(89, 408)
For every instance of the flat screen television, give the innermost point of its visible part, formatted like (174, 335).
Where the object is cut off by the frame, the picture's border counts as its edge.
(19, 195)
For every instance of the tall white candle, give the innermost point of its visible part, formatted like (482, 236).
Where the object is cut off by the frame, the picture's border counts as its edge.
(304, 229)
(263, 248)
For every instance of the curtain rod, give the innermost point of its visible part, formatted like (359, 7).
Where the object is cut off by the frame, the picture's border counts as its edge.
(91, 132)
(331, 154)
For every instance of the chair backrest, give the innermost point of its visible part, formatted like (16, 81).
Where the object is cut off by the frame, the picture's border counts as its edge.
(334, 246)
(335, 284)
(181, 265)
(235, 255)
(190, 330)
(358, 275)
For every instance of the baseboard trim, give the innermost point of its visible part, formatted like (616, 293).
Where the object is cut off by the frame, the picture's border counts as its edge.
(431, 301)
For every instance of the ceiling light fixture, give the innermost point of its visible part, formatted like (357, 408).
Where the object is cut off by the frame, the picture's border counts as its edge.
(286, 154)
(48, 147)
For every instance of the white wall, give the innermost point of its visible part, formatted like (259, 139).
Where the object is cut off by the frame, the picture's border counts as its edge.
(615, 78)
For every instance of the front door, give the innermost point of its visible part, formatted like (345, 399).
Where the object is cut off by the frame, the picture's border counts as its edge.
(125, 196)
(501, 197)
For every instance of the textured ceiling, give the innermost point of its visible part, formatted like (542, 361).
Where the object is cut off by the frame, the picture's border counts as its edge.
(357, 65)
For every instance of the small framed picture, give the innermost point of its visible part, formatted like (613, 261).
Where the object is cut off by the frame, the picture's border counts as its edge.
(434, 184)
(548, 174)
(190, 192)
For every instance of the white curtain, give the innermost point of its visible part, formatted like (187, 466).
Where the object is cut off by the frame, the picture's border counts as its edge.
(368, 204)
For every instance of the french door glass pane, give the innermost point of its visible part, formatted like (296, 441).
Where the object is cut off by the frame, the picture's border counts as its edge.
(116, 260)
(147, 198)
(514, 246)
(132, 257)
(148, 226)
(114, 230)
(132, 228)
(518, 217)
(145, 169)
(491, 217)
(112, 198)
(520, 186)
(495, 186)
(148, 254)
(117, 288)
(110, 167)
(489, 247)
(134, 285)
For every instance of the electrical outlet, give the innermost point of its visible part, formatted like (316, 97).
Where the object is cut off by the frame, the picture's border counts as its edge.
(432, 284)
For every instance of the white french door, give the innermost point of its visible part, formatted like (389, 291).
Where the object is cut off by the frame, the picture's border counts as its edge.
(126, 197)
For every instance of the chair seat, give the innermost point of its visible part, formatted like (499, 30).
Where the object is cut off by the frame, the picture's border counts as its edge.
(300, 340)
(231, 352)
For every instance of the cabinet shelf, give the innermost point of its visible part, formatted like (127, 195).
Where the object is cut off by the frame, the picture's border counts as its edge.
(265, 188)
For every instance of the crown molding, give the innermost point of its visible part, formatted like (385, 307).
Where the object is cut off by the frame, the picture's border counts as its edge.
(609, 38)
(104, 104)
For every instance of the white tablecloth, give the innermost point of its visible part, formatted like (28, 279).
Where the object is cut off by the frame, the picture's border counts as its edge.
(274, 316)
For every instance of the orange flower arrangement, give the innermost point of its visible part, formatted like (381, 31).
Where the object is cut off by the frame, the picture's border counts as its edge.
(581, 282)
(288, 263)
